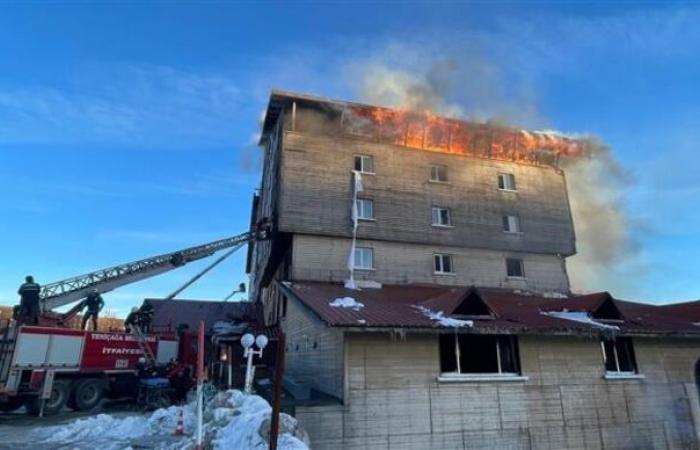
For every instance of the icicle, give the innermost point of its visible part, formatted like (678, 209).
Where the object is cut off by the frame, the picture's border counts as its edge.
(356, 187)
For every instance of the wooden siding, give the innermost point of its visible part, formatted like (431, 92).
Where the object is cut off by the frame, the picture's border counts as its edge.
(317, 258)
(314, 353)
(393, 400)
(316, 196)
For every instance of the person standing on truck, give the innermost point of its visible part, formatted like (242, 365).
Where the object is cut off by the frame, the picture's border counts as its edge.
(145, 317)
(29, 301)
(132, 319)
(94, 304)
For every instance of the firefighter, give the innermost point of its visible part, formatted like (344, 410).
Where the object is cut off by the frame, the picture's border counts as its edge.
(29, 301)
(145, 317)
(132, 319)
(94, 304)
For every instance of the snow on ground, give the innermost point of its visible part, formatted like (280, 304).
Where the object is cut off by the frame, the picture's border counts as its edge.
(443, 320)
(346, 302)
(578, 316)
(232, 420)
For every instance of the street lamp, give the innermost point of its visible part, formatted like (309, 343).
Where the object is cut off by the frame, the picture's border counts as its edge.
(247, 341)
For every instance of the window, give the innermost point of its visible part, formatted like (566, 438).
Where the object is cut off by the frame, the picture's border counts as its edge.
(474, 354)
(511, 224)
(364, 164)
(506, 181)
(442, 263)
(514, 267)
(441, 216)
(365, 208)
(364, 258)
(438, 173)
(618, 356)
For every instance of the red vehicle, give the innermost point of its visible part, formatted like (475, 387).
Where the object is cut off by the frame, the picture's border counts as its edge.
(62, 366)
(48, 366)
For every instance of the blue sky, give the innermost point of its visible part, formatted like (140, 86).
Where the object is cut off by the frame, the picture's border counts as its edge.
(127, 130)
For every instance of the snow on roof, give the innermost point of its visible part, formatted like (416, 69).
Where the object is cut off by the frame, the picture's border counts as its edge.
(443, 320)
(579, 316)
(346, 302)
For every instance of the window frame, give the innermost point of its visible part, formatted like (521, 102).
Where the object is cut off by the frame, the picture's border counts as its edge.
(522, 268)
(362, 158)
(618, 373)
(510, 186)
(506, 219)
(370, 201)
(354, 259)
(435, 170)
(433, 208)
(441, 257)
(499, 375)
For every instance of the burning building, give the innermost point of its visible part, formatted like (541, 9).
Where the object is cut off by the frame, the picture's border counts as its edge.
(418, 267)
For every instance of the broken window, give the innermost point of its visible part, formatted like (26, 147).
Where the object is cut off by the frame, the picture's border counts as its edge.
(364, 164)
(506, 181)
(441, 216)
(364, 258)
(511, 224)
(618, 355)
(438, 173)
(474, 354)
(365, 208)
(514, 267)
(442, 263)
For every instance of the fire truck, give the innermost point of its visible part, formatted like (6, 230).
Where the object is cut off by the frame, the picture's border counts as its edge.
(47, 366)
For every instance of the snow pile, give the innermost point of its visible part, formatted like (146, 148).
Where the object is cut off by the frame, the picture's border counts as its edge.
(100, 426)
(232, 420)
(578, 316)
(442, 319)
(346, 302)
(247, 419)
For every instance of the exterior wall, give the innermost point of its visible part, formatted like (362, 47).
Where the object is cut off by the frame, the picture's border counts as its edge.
(393, 400)
(314, 353)
(317, 194)
(317, 258)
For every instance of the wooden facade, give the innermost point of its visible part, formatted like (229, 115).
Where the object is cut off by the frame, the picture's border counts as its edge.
(393, 399)
(389, 395)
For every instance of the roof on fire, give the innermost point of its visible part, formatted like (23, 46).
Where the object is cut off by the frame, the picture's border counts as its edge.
(492, 310)
(172, 313)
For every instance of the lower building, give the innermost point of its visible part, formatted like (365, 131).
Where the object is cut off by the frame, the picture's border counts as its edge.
(440, 367)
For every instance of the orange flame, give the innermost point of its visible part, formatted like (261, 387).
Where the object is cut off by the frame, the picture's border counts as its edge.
(427, 131)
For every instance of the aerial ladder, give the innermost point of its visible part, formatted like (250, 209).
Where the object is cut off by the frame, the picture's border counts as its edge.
(64, 292)
(75, 289)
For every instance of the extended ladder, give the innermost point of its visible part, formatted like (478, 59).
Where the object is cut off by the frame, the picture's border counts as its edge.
(143, 344)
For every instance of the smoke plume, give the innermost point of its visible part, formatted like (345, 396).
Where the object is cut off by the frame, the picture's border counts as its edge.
(595, 183)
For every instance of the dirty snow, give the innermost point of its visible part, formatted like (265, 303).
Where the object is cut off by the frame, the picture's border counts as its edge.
(578, 316)
(443, 320)
(346, 302)
(232, 420)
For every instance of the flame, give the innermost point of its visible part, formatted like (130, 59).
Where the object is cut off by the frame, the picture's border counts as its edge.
(425, 130)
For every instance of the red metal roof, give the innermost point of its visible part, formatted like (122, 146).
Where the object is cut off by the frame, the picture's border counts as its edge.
(399, 306)
(172, 313)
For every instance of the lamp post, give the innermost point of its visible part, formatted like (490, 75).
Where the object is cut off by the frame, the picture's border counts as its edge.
(247, 341)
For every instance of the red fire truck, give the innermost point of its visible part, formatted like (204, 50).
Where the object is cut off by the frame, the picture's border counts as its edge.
(49, 366)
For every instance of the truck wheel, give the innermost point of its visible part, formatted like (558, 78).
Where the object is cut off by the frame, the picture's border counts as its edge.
(12, 404)
(86, 394)
(53, 404)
